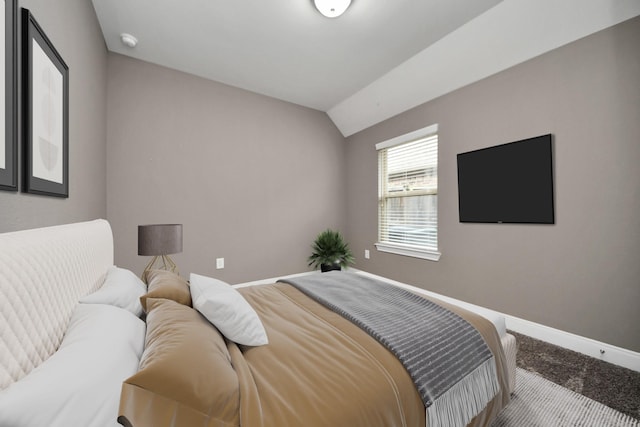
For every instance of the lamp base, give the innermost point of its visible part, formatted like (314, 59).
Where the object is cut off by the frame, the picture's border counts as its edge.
(164, 263)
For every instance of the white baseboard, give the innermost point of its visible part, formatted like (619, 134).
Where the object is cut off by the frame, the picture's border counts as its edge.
(596, 349)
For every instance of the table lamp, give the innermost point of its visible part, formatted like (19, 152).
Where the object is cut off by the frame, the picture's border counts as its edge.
(160, 240)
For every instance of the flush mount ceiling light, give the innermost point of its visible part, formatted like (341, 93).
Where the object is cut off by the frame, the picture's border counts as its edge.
(332, 8)
(128, 40)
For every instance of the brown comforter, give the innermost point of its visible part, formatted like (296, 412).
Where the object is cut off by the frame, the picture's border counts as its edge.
(321, 370)
(318, 370)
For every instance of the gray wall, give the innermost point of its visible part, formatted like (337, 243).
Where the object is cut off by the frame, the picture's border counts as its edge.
(252, 179)
(177, 141)
(73, 28)
(580, 275)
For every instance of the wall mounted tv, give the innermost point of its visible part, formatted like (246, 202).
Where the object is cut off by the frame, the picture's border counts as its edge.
(508, 183)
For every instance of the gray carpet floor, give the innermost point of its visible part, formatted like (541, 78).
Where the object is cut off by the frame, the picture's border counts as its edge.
(611, 385)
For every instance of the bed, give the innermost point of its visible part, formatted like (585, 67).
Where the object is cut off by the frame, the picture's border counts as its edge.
(58, 297)
(62, 362)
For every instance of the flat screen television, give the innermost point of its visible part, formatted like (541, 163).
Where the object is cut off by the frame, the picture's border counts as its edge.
(508, 183)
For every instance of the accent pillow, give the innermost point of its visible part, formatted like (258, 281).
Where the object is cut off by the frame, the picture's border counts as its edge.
(121, 288)
(185, 377)
(79, 385)
(223, 306)
(167, 285)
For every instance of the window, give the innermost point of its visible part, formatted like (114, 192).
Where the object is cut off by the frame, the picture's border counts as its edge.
(408, 194)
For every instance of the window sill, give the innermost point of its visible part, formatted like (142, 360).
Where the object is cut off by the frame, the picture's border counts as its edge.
(430, 255)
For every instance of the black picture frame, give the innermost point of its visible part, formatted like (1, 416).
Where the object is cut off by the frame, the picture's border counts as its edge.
(45, 114)
(9, 143)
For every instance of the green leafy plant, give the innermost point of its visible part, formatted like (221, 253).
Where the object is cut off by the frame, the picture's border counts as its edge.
(329, 248)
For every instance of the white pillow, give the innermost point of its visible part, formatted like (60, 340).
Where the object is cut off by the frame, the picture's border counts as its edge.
(79, 385)
(223, 306)
(121, 288)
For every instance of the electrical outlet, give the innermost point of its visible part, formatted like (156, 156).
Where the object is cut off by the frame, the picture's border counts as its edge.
(219, 263)
(366, 254)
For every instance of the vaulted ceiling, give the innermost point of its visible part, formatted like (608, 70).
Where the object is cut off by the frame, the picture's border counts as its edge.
(380, 58)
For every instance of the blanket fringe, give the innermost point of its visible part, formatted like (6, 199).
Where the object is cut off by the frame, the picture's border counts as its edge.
(457, 406)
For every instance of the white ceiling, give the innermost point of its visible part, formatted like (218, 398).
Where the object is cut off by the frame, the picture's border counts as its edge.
(380, 58)
(283, 48)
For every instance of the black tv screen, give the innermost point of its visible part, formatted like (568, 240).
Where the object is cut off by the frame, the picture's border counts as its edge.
(509, 183)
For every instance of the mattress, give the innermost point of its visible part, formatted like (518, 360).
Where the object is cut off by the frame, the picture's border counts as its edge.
(494, 317)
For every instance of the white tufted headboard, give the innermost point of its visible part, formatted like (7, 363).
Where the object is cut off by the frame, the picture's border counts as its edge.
(43, 273)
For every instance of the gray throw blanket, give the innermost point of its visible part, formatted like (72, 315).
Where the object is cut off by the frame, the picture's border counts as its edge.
(452, 367)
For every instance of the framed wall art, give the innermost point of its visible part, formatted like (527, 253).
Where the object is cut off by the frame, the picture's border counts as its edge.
(46, 113)
(9, 96)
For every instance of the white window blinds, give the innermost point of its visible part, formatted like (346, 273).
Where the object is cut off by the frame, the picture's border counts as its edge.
(408, 191)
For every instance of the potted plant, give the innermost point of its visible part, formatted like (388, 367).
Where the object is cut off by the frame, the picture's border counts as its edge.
(330, 252)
